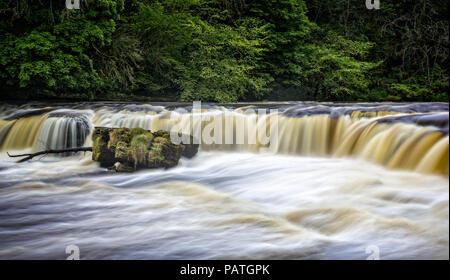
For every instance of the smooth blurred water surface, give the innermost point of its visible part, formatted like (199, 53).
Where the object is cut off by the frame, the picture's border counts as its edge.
(222, 206)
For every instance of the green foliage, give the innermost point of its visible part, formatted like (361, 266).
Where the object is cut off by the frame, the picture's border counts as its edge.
(164, 35)
(336, 70)
(205, 61)
(410, 38)
(226, 50)
(56, 54)
(423, 88)
(289, 28)
(222, 61)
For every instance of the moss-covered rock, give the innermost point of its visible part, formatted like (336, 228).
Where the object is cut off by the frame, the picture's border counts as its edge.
(121, 152)
(163, 153)
(190, 150)
(127, 150)
(120, 167)
(139, 146)
(118, 135)
(100, 150)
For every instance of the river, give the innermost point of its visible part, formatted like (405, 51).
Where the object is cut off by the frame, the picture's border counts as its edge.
(343, 181)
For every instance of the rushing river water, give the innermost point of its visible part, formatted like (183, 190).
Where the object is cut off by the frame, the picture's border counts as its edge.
(341, 179)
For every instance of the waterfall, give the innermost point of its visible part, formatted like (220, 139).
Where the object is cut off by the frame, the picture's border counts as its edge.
(373, 136)
(398, 137)
(396, 146)
(4, 129)
(62, 133)
(59, 129)
(21, 133)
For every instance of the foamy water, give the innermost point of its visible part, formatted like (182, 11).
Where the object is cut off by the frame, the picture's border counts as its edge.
(223, 206)
(342, 182)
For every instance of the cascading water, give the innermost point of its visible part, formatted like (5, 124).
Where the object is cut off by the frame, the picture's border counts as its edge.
(59, 129)
(63, 130)
(397, 145)
(338, 178)
(21, 133)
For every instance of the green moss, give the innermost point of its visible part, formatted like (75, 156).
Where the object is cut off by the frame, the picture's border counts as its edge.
(161, 133)
(138, 148)
(156, 149)
(154, 156)
(101, 152)
(119, 135)
(137, 131)
(97, 148)
(123, 149)
(121, 152)
(164, 153)
(160, 139)
(155, 159)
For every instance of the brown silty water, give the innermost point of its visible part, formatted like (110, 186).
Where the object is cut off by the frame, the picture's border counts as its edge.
(335, 179)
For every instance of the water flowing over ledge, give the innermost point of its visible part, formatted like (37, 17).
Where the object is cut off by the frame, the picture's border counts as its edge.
(316, 195)
(398, 136)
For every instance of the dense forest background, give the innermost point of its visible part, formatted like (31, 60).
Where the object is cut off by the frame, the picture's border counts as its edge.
(225, 50)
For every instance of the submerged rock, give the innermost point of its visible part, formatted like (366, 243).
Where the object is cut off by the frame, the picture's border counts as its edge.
(131, 149)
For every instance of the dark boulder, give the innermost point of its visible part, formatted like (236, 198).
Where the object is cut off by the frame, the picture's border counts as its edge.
(127, 150)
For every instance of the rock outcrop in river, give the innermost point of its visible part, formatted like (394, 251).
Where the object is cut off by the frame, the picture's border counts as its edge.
(127, 150)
